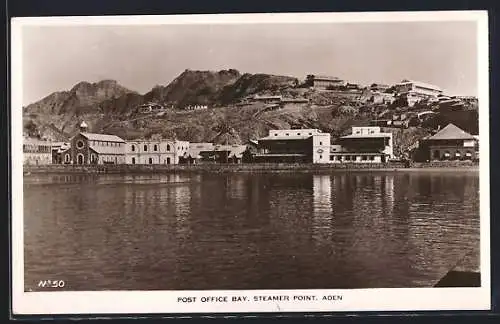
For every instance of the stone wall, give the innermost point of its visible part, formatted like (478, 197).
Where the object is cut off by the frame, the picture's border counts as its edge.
(252, 168)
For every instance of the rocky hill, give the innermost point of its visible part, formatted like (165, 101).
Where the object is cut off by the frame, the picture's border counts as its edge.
(83, 98)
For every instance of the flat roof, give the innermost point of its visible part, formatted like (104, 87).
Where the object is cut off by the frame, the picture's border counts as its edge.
(281, 137)
(281, 154)
(377, 135)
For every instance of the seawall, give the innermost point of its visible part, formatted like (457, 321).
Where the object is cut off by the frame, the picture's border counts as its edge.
(249, 168)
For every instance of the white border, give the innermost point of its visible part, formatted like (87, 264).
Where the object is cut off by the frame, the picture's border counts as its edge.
(108, 302)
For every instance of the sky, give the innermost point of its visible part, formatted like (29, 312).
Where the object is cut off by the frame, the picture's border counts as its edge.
(55, 58)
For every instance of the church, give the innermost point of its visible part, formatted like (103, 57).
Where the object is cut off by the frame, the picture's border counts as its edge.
(92, 148)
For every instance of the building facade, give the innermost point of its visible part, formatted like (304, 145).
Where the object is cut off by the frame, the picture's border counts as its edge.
(450, 143)
(59, 149)
(415, 91)
(364, 145)
(324, 82)
(151, 108)
(155, 152)
(36, 152)
(193, 156)
(91, 148)
(380, 87)
(294, 145)
(268, 99)
(223, 154)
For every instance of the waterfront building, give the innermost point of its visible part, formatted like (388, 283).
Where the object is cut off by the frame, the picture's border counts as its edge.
(36, 152)
(223, 153)
(324, 82)
(92, 148)
(59, 149)
(193, 154)
(294, 145)
(155, 152)
(450, 143)
(415, 91)
(364, 145)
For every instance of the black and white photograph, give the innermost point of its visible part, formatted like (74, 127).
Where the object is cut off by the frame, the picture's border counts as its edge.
(240, 163)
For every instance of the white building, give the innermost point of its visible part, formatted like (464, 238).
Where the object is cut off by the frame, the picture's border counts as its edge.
(323, 82)
(36, 152)
(364, 145)
(151, 108)
(155, 152)
(94, 148)
(294, 145)
(414, 91)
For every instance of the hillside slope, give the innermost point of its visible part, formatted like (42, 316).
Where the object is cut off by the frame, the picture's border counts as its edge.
(83, 98)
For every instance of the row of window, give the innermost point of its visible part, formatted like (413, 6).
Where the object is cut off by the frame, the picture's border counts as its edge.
(101, 143)
(93, 158)
(155, 148)
(351, 158)
(288, 134)
(450, 155)
(150, 161)
(34, 148)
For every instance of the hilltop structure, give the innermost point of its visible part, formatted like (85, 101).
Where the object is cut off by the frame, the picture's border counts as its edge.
(324, 82)
(415, 91)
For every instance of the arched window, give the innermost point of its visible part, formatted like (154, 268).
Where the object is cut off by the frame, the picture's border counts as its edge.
(133, 160)
(155, 148)
(66, 158)
(150, 161)
(132, 148)
(168, 147)
(145, 148)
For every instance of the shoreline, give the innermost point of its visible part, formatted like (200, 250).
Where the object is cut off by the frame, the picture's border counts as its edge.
(248, 168)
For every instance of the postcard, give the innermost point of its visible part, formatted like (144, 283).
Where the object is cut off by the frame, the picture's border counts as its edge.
(250, 163)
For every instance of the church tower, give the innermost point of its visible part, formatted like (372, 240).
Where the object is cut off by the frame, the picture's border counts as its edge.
(83, 127)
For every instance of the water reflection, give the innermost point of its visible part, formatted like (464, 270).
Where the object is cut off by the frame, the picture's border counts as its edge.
(180, 231)
(322, 209)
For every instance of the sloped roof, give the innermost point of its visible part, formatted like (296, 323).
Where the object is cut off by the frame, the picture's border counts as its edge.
(451, 132)
(35, 141)
(103, 137)
(108, 149)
